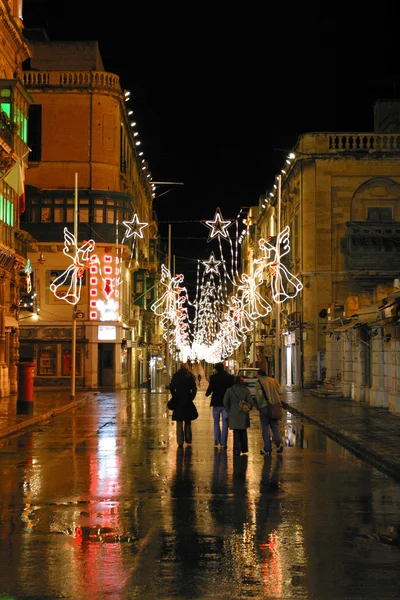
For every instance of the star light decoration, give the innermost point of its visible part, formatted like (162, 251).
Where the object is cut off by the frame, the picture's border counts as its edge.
(211, 264)
(217, 332)
(134, 227)
(218, 227)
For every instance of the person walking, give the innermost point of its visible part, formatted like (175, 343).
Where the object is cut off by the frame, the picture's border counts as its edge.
(183, 390)
(238, 419)
(219, 383)
(268, 392)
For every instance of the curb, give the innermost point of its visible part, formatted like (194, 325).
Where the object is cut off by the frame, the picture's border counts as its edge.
(7, 431)
(348, 442)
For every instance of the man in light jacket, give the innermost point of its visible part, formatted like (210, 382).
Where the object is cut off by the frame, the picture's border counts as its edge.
(273, 392)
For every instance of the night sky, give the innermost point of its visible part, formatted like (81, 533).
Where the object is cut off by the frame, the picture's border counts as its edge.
(221, 93)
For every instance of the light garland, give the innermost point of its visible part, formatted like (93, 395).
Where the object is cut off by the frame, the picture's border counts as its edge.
(222, 325)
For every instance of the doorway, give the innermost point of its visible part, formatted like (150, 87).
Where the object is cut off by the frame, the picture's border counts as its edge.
(106, 365)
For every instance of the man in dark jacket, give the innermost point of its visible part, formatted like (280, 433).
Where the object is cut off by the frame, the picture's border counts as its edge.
(219, 383)
(183, 388)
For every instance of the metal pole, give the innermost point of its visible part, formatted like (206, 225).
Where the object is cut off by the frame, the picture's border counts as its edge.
(73, 357)
(254, 353)
(253, 350)
(277, 373)
(167, 355)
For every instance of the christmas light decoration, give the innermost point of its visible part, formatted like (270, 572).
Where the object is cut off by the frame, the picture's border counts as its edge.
(284, 284)
(104, 283)
(218, 227)
(28, 278)
(75, 271)
(222, 319)
(108, 310)
(134, 227)
(211, 264)
(253, 303)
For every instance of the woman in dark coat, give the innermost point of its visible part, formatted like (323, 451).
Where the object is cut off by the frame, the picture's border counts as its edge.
(183, 389)
(239, 420)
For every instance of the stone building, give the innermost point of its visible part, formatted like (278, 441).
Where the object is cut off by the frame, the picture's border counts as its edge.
(14, 103)
(89, 207)
(339, 193)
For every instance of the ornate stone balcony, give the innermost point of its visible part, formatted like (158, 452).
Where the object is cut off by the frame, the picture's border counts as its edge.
(373, 246)
(72, 79)
(347, 143)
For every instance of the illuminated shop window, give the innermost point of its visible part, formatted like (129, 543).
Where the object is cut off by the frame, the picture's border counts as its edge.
(47, 363)
(66, 361)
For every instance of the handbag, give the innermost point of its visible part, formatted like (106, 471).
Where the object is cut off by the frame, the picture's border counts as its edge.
(244, 404)
(172, 403)
(274, 410)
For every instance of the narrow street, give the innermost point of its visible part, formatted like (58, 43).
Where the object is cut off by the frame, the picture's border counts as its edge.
(101, 504)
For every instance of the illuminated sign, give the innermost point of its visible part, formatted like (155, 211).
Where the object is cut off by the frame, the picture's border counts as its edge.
(107, 332)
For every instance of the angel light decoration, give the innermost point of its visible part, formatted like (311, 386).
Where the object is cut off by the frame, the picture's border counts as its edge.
(284, 284)
(73, 275)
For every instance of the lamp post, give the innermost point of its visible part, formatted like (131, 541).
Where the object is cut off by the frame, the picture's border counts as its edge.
(73, 341)
(277, 373)
(167, 354)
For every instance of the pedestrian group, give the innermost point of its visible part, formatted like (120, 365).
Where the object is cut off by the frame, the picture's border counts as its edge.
(231, 403)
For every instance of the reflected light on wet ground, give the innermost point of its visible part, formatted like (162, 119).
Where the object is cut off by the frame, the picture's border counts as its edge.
(105, 505)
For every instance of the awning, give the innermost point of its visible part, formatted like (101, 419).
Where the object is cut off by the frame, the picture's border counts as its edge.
(367, 316)
(391, 300)
(344, 326)
(10, 321)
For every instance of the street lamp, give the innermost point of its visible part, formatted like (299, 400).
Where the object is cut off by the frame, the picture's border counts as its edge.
(277, 373)
(167, 354)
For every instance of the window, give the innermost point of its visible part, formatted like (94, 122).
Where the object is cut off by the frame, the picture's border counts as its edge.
(66, 361)
(45, 215)
(380, 214)
(47, 364)
(35, 132)
(6, 207)
(58, 215)
(14, 108)
(83, 211)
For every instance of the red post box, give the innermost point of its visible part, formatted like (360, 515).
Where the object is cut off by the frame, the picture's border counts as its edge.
(26, 375)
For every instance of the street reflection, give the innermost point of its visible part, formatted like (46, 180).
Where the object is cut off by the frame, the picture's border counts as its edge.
(186, 550)
(98, 530)
(268, 518)
(294, 432)
(142, 519)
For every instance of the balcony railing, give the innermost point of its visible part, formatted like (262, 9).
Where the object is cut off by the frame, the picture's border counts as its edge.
(353, 142)
(72, 79)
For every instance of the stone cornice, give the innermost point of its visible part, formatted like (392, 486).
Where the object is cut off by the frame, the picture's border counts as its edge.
(22, 47)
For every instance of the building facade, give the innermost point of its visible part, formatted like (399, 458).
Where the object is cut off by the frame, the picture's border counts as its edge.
(339, 195)
(89, 208)
(14, 104)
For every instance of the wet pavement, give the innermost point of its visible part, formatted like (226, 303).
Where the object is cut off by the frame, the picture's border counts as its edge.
(46, 404)
(98, 503)
(372, 434)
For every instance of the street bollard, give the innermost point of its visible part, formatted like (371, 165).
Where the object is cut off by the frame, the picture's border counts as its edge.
(26, 375)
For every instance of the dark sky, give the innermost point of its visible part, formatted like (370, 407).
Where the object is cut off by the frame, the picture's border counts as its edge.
(220, 92)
